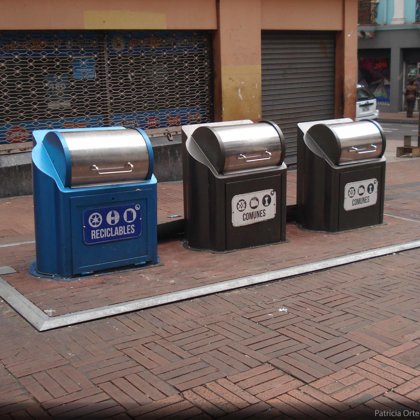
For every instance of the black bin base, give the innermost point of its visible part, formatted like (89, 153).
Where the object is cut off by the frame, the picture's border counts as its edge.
(227, 212)
(335, 198)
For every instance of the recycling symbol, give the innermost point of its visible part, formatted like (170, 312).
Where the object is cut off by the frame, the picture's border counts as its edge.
(95, 220)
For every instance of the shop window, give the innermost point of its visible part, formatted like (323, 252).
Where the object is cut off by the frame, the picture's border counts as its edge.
(374, 73)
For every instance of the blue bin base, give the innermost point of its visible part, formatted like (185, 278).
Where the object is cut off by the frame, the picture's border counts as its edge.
(140, 266)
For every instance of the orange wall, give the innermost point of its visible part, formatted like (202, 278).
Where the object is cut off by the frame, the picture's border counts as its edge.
(346, 62)
(107, 14)
(167, 14)
(323, 15)
(238, 48)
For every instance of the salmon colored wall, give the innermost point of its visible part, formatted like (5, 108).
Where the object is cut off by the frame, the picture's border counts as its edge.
(325, 15)
(346, 62)
(162, 14)
(306, 15)
(238, 52)
(107, 14)
(238, 49)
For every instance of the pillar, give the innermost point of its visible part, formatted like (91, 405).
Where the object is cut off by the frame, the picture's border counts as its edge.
(346, 62)
(238, 60)
(398, 18)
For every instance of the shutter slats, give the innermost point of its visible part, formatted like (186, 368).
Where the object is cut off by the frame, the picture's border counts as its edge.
(298, 80)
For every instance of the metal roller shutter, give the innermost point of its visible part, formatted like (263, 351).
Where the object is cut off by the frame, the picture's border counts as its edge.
(66, 79)
(298, 80)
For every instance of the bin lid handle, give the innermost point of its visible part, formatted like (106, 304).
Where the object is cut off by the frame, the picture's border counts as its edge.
(255, 158)
(361, 151)
(127, 168)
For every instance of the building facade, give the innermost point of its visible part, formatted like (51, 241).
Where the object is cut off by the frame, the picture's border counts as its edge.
(160, 64)
(389, 49)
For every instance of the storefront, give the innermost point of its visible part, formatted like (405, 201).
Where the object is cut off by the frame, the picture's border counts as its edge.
(163, 64)
(389, 52)
(374, 73)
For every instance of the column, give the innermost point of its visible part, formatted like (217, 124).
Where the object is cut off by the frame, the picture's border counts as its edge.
(238, 60)
(346, 62)
(396, 87)
(398, 18)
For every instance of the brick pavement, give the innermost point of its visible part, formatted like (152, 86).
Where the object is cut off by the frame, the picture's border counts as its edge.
(330, 344)
(342, 342)
(182, 268)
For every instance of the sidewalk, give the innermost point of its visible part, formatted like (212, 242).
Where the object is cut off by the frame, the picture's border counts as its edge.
(337, 342)
(398, 117)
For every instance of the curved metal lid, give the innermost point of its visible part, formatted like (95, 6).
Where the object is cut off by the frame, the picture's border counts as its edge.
(100, 156)
(232, 148)
(349, 142)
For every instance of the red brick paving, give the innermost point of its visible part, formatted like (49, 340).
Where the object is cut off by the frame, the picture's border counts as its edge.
(182, 268)
(339, 343)
(147, 366)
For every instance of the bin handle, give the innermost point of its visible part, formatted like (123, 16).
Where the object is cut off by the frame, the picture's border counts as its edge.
(127, 168)
(362, 151)
(255, 158)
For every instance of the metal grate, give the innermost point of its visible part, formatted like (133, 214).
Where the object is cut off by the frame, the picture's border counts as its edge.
(147, 79)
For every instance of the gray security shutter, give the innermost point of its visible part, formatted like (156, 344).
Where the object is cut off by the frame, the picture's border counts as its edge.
(298, 79)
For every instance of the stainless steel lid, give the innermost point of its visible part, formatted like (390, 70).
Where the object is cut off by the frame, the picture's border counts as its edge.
(242, 147)
(349, 142)
(103, 156)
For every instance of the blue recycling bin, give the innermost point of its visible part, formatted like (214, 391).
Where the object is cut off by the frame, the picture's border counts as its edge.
(95, 200)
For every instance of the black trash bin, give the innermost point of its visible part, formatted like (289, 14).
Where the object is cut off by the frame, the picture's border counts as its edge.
(340, 174)
(234, 185)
